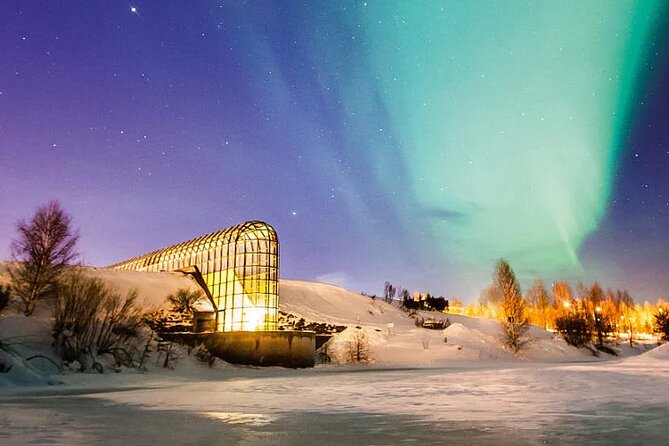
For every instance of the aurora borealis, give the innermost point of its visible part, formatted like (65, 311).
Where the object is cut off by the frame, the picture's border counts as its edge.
(409, 142)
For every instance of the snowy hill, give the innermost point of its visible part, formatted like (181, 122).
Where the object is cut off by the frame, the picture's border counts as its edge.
(404, 344)
(394, 339)
(321, 302)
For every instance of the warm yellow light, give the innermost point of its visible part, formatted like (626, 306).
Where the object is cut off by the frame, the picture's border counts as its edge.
(254, 318)
(598, 309)
(566, 304)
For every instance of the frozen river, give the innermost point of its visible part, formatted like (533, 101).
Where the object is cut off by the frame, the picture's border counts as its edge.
(625, 402)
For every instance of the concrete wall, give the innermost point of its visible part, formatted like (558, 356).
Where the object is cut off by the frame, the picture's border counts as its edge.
(294, 349)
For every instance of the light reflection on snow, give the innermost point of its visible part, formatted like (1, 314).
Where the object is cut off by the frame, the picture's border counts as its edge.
(248, 419)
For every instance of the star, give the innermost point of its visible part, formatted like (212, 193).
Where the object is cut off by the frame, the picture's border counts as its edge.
(134, 10)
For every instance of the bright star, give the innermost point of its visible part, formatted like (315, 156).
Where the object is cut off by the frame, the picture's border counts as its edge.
(134, 10)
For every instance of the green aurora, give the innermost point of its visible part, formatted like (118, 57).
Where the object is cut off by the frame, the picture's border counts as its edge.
(504, 119)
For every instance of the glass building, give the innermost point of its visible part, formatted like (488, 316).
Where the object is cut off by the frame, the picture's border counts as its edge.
(237, 267)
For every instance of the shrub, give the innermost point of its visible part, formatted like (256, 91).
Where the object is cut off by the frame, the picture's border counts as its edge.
(5, 294)
(179, 317)
(91, 319)
(574, 329)
(182, 300)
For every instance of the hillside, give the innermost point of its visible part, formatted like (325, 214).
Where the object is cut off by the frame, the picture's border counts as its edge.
(404, 344)
(394, 340)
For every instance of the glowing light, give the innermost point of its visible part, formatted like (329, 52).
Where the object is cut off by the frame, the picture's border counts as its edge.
(237, 265)
(133, 10)
(254, 318)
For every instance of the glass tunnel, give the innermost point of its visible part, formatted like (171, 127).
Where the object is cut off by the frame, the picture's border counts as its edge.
(237, 267)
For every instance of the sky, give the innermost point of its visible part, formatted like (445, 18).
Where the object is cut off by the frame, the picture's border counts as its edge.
(416, 142)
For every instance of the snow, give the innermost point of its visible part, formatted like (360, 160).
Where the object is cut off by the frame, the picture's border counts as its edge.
(405, 345)
(322, 302)
(152, 288)
(422, 386)
(620, 402)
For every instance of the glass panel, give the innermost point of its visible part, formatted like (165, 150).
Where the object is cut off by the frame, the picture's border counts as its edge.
(239, 266)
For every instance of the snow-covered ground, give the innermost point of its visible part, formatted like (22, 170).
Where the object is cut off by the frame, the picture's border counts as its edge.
(395, 341)
(620, 402)
(457, 385)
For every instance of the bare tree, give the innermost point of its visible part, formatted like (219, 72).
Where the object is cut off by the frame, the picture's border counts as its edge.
(44, 247)
(540, 301)
(389, 292)
(514, 325)
(563, 297)
(358, 347)
(626, 305)
(491, 295)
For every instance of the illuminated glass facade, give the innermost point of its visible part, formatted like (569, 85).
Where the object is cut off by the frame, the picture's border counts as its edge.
(240, 267)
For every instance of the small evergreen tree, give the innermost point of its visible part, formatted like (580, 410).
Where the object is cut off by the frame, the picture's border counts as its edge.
(662, 324)
(44, 247)
(514, 325)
